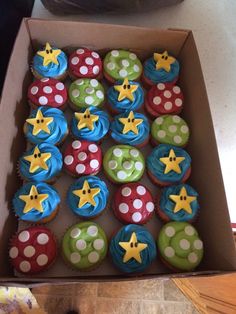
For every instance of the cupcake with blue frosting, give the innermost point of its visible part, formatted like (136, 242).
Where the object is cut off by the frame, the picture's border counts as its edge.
(91, 124)
(125, 95)
(87, 197)
(161, 68)
(133, 249)
(46, 124)
(36, 202)
(50, 62)
(130, 128)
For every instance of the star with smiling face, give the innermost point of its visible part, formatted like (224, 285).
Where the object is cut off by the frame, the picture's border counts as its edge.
(133, 249)
(130, 123)
(163, 61)
(182, 201)
(33, 200)
(49, 55)
(40, 123)
(86, 194)
(172, 162)
(86, 119)
(126, 90)
(37, 160)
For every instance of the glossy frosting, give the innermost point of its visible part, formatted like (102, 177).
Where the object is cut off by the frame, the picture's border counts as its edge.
(180, 245)
(147, 255)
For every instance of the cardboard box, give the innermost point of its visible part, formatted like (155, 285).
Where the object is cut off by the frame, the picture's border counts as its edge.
(213, 223)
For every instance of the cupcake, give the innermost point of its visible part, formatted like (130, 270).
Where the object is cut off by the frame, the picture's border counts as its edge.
(42, 162)
(178, 203)
(164, 99)
(123, 164)
(85, 63)
(132, 249)
(120, 64)
(84, 93)
(50, 62)
(133, 204)
(47, 125)
(36, 202)
(84, 246)
(161, 68)
(33, 250)
(171, 130)
(90, 124)
(167, 165)
(82, 158)
(47, 91)
(87, 197)
(125, 95)
(130, 128)
(180, 246)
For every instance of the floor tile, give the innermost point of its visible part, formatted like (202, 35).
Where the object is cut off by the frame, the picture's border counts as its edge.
(117, 306)
(54, 305)
(84, 304)
(54, 290)
(172, 293)
(86, 289)
(150, 307)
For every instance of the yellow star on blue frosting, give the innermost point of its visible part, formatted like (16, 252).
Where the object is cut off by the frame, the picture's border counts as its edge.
(49, 55)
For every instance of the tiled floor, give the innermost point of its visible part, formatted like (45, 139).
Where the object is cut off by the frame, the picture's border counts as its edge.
(138, 297)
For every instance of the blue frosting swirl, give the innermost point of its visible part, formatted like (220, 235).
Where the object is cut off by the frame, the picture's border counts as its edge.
(160, 76)
(130, 137)
(156, 167)
(125, 104)
(49, 204)
(52, 69)
(101, 126)
(58, 127)
(54, 164)
(147, 255)
(167, 205)
(88, 210)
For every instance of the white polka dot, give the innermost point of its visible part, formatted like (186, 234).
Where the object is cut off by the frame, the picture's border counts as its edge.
(96, 69)
(89, 61)
(141, 190)
(161, 133)
(59, 99)
(98, 244)
(121, 175)
(123, 208)
(136, 217)
(25, 266)
(184, 129)
(95, 55)
(80, 168)
(75, 93)
(112, 164)
(156, 100)
(111, 66)
(93, 257)
(176, 89)
(172, 128)
(68, 160)
(43, 100)
(159, 120)
(13, 253)
(134, 153)
(89, 90)
(83, 70)
(81, 245)
(132, 56)
(198, 244)
(82, 156)
(79, 82)
(170, 231)
(189, 230)
(60, 86)
(161, 86)
(76, 144)
(169, 251)
(93, 148)
(99, 94)
(29, 251)
(34, 90)
(137, 204)
(177, 139)
(136, 68)
(75, 258)
(176, 119)
(126, 191)
(168, 105)
(94, 83)
(89, 100)
(115, 53)
(167, 94)
(127, 165)
(123, 73)
(125, 63)
(94, 163)
(80, 51)
(75, 60)
(75, 233)
(24, 236)
(42, 259)
(138, 165)
(117, 152)
(192, 258)
(150, 207)
(184, 244)
(92, 231)
(47, 89)
(178, 102)
(42, 238)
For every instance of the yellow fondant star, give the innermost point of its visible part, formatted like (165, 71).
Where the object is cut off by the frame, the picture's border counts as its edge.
(86, 119)
(33, 200)
(40, 123)
(37, 160)
(163, 61)
(49, 55)
(182, 201)
(86, 194)
(132, 249)
(126, 90)
(130, 123)
(172, 162)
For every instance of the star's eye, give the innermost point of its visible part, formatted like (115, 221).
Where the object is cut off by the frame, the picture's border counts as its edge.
(170, 159)
(38, 121)
(128, 86)
(35, 155)
(128, 120)
(47, 51)
(39, 155)
(185, 198)
(132, 120)
(31, 197)
(85, 116)
(181, 198)
(136, 244)
(174, 158)
(89, 191)
(84, 192)
(125, 86)
(50, 50)
(88, 116)
(36, 196)
(131, 244)
(163, 57)
(166, 58)
(42, 121)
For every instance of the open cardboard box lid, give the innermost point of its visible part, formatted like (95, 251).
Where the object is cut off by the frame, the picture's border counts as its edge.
(213, 223)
